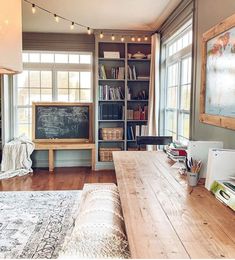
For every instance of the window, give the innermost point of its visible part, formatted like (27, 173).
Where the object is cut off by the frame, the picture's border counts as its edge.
(65, 77)
(177, 84)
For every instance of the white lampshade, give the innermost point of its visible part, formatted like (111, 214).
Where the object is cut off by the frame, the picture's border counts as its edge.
(10, 37)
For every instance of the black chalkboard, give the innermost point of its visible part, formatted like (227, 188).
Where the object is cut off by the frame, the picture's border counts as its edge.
(62, 121)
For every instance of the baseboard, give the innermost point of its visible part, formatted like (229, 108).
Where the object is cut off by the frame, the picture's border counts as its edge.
(63, 163)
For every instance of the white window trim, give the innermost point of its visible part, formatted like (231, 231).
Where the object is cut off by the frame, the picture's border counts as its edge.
(170, 60)
(54, 67)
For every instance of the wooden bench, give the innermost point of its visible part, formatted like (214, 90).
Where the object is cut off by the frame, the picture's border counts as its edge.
(51, 147)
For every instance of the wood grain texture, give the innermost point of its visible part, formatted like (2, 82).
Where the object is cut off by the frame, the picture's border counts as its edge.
(221, 121)
(163, 218)
(69, 178)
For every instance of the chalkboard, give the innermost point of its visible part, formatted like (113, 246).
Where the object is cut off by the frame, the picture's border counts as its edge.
(61, 122)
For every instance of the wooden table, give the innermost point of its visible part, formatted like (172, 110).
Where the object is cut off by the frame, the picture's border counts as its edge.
(51, 147)
(163, 219)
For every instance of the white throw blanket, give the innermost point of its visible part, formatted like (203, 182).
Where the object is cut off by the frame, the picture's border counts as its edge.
(16, 159)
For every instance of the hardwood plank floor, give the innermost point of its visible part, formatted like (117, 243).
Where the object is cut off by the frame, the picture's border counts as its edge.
(69, 178)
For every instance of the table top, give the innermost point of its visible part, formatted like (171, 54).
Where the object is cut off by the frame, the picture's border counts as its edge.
(164, 218)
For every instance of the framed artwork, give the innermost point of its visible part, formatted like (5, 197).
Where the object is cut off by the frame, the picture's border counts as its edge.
(217, 96)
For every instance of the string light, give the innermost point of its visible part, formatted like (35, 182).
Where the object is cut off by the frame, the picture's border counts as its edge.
(101, 35)
(138, 39)
(145, 38)
(133, 38)
(33, 9)
(122, 39)
(89, 30)
(56, 18)
(113, 37)
(72, 26)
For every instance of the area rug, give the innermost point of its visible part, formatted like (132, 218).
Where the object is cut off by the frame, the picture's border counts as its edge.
(35, 224)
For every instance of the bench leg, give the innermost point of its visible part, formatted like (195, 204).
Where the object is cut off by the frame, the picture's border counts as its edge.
(93, 159)
(51, 160)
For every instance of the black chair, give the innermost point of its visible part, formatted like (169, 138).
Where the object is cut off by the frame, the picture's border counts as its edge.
(153, 140)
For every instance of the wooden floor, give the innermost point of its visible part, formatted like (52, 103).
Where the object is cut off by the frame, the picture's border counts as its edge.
(69, 178)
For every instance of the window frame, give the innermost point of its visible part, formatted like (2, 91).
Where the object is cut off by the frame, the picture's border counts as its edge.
(167, 61)
(54, 68)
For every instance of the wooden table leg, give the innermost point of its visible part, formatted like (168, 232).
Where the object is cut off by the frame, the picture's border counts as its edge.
(93, 159)
(51, 160)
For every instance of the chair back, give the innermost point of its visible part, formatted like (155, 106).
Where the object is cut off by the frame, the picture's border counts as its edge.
(153, 140)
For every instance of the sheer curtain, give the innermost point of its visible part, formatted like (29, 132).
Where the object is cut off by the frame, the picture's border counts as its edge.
(154, 86)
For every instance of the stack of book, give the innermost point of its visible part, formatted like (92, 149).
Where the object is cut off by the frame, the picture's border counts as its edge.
(110, 93)
(118, 72)
(176, 152)
(143, 77)
(140, 114)
(111, 112)
(137, 130)
(132, 73)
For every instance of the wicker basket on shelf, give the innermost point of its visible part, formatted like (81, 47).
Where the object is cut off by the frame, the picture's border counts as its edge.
(112, 133)
(106, 153)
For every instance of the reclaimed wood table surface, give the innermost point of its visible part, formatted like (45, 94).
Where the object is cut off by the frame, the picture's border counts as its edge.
(164, 218)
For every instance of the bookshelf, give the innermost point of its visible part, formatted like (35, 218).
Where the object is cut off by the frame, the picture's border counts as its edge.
(132, 94)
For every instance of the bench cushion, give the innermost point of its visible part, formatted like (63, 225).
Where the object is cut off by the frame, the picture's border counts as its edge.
(99, 230)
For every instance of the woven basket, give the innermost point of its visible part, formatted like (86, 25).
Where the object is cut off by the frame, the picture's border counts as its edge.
(106, 154)
(115, 133)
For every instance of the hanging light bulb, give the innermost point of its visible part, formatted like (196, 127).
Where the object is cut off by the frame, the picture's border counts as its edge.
(122, 39)
(89, 30)
(72, 26)
(33, 9)
(113, 37)
(56, 18)
(133, 38)
(145, 38)
(138, 39)
(101, 35)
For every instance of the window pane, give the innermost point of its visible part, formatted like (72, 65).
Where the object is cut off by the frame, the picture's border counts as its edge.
(47, 57)
(172, 97)
(185, 97)
(22, 79)
(34, 95)
(186, 71)
(25, 57)
(46, 79)
(85, 95)
(34, 79)
(73, 79)
(34, 57)
(23, 97)
(171, 121)
(46, 94)
(74, 58)
(62, 79)
(184, 129)
(23, 115)
(61, 58)
(74, 95)
(173, 75)
(63, 95)
(85, 79)
(23, 129)
(85, 59)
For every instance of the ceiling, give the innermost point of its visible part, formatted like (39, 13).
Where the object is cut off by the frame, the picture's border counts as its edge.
(98, 14)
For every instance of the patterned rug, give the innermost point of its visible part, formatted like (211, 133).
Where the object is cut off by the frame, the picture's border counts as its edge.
(35, 224)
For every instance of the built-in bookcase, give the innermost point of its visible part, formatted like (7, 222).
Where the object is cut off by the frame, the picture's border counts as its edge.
(125, 92)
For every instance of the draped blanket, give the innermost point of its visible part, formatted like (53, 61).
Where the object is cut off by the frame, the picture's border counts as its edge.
(16, 159)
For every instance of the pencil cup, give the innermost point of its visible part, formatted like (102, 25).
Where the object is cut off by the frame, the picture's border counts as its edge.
(193, 178)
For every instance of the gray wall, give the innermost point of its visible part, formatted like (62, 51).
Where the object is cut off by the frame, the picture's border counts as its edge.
(207, 14)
